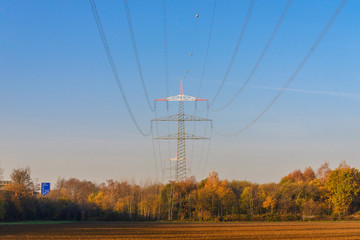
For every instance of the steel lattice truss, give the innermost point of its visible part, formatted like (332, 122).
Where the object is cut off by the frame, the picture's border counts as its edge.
(175, 136)
(181, 136)
(181, 98)
(176, 118)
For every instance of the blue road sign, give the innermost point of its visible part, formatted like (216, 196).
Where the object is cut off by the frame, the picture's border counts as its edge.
(45, 188)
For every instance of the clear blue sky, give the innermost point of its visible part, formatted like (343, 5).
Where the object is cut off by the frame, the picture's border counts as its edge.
(62, 113)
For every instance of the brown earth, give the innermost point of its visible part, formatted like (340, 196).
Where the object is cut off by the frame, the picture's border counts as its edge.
(120, 230)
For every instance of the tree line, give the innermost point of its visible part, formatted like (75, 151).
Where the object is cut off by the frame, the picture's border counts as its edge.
(301, 195)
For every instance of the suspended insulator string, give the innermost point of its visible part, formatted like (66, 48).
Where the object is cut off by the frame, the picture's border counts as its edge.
(132, 35)
(248, 14)
(192, 46)
(295, 73)
(207, 49)
(258, 61)
(113, 68)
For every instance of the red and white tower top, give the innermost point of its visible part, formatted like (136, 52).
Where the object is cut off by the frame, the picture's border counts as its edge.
(181, 97)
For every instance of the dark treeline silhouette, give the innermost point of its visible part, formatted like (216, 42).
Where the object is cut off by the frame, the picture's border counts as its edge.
(301, 195)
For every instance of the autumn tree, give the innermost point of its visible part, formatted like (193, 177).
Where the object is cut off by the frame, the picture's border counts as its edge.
(72, 196)
(208, 204)
(227, 199)
(251, 200)
(269, 193)
(308, 174)
(343, 185)
(148, 205)
(2, 206)
(323, 172)
(167, 201)
(1, 173)
(298, 194)
(20, 194)
(215, 197)
(183, 198)
(298, 176)
(2, 200)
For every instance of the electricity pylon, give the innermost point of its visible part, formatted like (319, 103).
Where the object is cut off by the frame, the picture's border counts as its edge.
(181, 136)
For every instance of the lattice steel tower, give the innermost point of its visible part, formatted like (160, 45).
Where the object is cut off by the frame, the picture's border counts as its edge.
(181, 136)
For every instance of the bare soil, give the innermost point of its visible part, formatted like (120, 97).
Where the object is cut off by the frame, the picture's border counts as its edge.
(121, 230)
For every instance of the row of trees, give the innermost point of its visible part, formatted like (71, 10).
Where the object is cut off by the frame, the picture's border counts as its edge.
(299, 195)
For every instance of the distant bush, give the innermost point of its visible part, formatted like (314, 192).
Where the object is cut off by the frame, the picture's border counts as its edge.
(232, 217)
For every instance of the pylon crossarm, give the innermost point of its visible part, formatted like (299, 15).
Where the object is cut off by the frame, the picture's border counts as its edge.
(176, 118)
(181, 98)
(175, 136)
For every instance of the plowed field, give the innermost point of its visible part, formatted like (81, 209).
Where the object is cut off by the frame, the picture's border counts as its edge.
(120, 230)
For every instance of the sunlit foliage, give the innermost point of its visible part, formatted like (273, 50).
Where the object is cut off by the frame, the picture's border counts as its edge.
(300, 195)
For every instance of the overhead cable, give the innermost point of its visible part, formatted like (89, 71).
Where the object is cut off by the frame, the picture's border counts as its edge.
(208, 151)
(248, 14)
(154, 151)
(158, 143)
(132, 35)
(207, 49)
(166, 66)
(258, 61)
(203, 145)
(295, 73)
(192, 46)
(166, 55)
(113, 68)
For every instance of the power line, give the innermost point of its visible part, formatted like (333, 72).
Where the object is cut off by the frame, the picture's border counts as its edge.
(158, 135)
(158, 143)
(154, 151)
(113, 68)
(202, 77)
(208, 151)
(203, 70)
(193, 141)
(132, 35)
(203, 145)
(258, 61)
(166, 65)
(294, 74)
(192, 46)
(207, 49)
(248, 14)
(166, 54)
